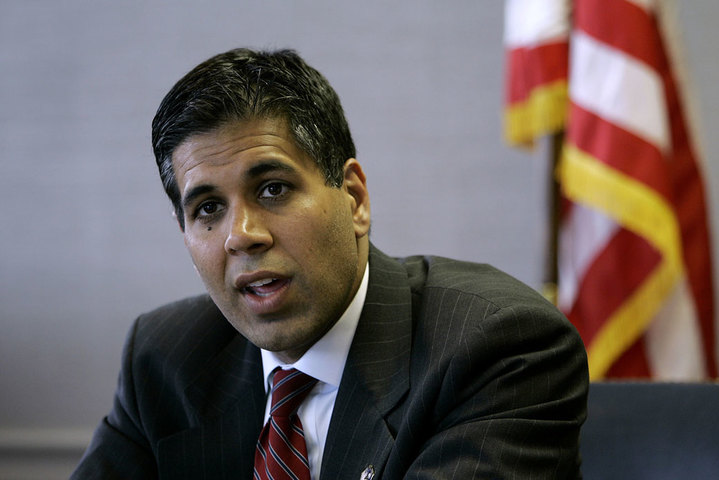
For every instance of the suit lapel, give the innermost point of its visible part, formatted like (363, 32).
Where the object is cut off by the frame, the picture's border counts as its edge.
(376, 375)
(227, 402)
(234, 375)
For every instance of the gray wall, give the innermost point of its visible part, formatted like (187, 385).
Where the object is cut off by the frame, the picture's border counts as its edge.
(86, 238)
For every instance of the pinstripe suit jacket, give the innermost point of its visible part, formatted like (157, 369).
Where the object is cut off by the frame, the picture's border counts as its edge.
(456, 371)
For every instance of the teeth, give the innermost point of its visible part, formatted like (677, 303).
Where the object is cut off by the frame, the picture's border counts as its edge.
(260, 283)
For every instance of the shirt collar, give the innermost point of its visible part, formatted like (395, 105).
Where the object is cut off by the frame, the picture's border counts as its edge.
(325, 360)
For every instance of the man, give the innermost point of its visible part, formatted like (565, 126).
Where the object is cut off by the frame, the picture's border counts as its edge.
(421, 367)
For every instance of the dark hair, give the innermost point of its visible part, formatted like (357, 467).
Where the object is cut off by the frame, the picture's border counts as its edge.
(243, 84)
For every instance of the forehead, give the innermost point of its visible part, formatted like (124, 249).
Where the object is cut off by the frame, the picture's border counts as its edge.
(238, 142)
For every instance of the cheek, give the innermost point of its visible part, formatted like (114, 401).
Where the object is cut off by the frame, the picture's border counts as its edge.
(207, 252)
(330, 235)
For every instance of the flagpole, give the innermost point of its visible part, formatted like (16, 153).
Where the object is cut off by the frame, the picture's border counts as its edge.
(551, 268)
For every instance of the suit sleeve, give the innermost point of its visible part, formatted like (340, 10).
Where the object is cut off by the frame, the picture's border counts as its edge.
(509, 402)
(119, 449)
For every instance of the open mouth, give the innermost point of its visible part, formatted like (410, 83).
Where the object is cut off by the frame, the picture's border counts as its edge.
(265, 287)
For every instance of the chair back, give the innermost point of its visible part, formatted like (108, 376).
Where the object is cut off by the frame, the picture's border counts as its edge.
(651, 430)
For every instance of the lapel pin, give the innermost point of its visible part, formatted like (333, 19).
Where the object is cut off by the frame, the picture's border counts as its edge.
(368, 473)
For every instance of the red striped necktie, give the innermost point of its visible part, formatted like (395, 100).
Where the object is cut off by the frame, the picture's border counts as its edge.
(281, 449)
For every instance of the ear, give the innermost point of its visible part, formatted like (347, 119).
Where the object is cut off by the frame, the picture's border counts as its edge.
(355, 184)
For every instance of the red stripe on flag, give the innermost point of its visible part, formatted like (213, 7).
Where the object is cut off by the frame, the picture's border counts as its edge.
(604, 289)
(529, 68)
(620, 149)
(622, 25)
(632, 363)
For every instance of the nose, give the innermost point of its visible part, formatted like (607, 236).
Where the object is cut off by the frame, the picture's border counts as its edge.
(248, 233)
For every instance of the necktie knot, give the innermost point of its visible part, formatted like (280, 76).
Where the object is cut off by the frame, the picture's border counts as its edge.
(289, 389)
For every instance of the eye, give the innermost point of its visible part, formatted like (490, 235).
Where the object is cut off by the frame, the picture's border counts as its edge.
(207, 209)
(274, 190)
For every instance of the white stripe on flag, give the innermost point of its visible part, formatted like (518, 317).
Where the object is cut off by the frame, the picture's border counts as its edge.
(673, 340)
(618, 88)
(531, 22)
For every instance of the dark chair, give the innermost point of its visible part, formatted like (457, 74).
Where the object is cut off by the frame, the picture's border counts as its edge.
(643, 430)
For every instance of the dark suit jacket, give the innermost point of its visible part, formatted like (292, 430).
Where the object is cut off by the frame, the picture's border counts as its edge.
(456, 371)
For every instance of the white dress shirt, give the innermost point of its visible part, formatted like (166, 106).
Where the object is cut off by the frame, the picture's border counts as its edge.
(325, 361)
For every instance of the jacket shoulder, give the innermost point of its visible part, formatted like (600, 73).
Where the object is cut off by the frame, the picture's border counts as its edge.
(179, 336)
(479, 280)
(187, 317)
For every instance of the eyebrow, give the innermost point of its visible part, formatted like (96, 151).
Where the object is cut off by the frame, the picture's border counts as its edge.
(268, 166)
(253, 172)
(196, 192)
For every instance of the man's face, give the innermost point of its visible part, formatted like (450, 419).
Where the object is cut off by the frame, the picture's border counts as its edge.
(280, 252)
